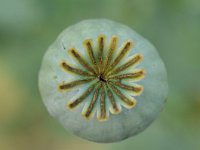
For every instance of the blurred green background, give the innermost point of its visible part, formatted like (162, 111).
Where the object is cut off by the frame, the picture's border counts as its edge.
(28, 27)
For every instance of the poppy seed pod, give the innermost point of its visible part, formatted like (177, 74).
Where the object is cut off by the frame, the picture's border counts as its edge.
(103, 81)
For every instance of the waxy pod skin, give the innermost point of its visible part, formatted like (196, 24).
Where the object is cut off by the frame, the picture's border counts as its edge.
(103, 81)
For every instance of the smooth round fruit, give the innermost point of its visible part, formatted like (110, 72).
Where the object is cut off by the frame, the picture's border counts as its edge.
(103, 81)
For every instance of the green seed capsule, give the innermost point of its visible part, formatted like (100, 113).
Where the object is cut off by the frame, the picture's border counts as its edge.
(103, 81)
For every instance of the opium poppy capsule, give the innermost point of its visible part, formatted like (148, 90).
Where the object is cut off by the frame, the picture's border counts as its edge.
(103, 81)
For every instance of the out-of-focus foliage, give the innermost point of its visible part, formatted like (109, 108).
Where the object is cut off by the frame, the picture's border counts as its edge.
(27, 27)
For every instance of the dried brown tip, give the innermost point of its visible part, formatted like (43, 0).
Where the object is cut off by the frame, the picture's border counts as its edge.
(89, 49)
(88, 112)
(78, 57)
(73, 104)
(113, 46)
(128, 103)
(74, 70)
(134, 60)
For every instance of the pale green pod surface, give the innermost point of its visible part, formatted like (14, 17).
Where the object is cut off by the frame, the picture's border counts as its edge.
(103, 81)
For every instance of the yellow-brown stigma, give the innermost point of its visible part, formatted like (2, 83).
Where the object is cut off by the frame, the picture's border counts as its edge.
(109, 86)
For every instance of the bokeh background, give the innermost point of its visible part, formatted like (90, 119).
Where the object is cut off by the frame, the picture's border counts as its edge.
(28, 27)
